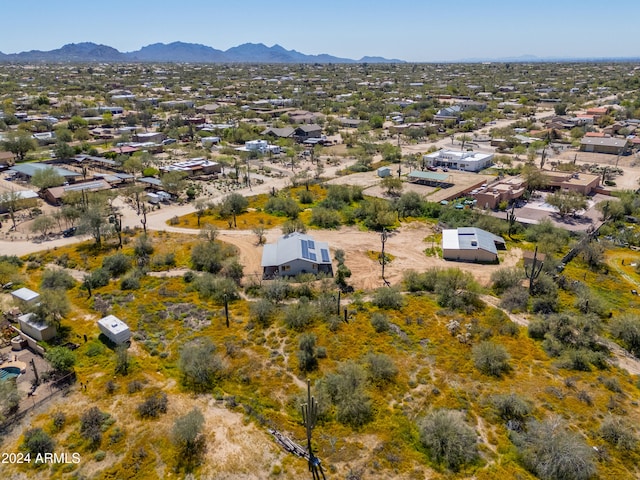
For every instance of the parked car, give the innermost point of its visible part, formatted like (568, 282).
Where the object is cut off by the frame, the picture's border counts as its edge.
(69, 232)
(169, 141)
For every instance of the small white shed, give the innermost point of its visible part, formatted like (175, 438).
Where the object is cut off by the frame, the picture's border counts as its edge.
(384, 172)
(41, 332)
(25, 296)
(114, 329)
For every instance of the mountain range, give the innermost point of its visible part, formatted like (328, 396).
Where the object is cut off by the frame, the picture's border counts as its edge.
(177, 52)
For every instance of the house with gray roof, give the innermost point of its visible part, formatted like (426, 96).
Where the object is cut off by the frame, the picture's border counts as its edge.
(471, 244)
(296, 253)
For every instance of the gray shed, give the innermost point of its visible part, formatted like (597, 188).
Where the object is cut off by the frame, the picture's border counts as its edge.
(471, 244)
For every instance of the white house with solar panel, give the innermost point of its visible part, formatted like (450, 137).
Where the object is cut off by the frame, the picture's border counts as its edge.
(294, 254)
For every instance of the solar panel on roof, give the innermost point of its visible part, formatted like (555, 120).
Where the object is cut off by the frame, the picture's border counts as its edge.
(311, 244)
(325, 255)
(305, 249)
(312, 257)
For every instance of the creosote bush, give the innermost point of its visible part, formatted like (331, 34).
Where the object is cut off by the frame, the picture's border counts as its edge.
(491, 358)
(448, 438)
(380, 322)
(154, 405)
(388, 298)
(552, 452)
(619, 432)
(37, 441)
(199, 364)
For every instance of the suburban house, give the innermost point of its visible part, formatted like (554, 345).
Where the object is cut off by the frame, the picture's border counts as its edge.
(260, 146)
(507, 190)
(285, 132)
(305, 132)
(194, 166)
(54, 195)
(614, 146)
(39, 331)
(576, 182)
(471, 244)
(26, 170)
(154, 137)
(467, 161)
(296, 253)
(114, 329)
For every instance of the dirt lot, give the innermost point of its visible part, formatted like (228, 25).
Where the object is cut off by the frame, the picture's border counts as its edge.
(406, 245)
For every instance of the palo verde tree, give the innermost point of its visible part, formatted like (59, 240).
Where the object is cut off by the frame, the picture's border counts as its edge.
(233, 205)
(19, 144)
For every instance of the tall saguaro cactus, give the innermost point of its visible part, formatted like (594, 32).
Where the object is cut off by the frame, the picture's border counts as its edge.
(533, 271)
(309, 418)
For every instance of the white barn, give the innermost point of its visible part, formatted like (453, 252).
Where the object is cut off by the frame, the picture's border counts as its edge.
(471, 244)
(114, 329)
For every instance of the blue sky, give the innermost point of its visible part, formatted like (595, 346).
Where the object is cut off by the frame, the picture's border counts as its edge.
(412, 30)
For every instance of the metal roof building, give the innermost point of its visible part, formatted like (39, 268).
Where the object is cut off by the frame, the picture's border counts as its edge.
(294, 254)
(29, 169)
(471, 244)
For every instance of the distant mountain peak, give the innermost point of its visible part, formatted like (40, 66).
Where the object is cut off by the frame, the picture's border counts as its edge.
(176, 52)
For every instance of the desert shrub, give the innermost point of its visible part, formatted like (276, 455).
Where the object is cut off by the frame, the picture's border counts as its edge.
(346, 390)
(588, 302)
(154, 405)
(619, 432)
(134, 386)
(131, 281)
(491, 358)
(545, 304)
(456, 289)
(215, 288)
(388, 298)
(98, 278)
(299, 315)
(421, 282)
(164, 260)
(282, 206)
(276, 290)
(262, 311)
(199, 364)
(506, 278)
(9, 398)
(305, 197)
(58, 419)
(209, 256)
(91, 423)
(511, 408)
(515, 299)
(54, 279)
(116, 264)
(552, 452)
(375, 214)
(37, 441)
(61, 359)
(380, 322)
(325, 217)
(291, 226)
(448, 438)
(626, 328)
(612, 384)
(189, 440)
(232, 269)
(381, 368)
(307, 355)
